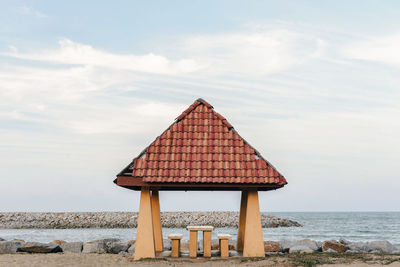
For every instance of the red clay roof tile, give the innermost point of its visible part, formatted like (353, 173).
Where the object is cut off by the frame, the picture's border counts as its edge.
(202, 147)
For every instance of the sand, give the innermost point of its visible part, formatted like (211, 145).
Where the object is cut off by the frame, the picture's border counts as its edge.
(109, 260)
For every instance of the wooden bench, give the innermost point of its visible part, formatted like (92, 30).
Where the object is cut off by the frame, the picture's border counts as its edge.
(224, 244)
(206, 240)
(175, 244)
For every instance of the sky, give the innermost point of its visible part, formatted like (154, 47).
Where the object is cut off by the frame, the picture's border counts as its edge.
(85, 86)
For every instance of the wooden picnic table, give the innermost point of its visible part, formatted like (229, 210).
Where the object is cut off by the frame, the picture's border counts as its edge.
(206, 240)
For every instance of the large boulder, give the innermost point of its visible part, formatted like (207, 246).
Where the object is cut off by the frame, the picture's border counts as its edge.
(285, 245)
(334, 246)
(357, 247)
(116, 246)
(300, 249)
(95, 246)
(9, 247)
(382, 246)
(271, 246)
(58, 242)
(73, 247)
(36, 247)
(303, 246)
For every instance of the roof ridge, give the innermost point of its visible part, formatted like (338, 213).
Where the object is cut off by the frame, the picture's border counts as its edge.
(192, 107)
(201, 100)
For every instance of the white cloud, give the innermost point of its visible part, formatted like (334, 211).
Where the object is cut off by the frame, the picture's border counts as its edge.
(30, 11)
(74, 53)
(62, 93)
(129, 117)
(382, 49)
(253, 52)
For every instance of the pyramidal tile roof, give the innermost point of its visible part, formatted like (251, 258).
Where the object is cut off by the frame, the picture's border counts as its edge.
(201, 146)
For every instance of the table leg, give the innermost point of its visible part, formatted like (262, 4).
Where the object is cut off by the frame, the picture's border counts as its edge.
(207, 244)
(193, 244)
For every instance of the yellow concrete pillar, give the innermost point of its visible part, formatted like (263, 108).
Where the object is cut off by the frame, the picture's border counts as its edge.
(253, 245)
(155, 207)
(242, 221)
(145, 235)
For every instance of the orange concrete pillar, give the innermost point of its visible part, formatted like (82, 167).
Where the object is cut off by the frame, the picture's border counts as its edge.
(145, 234)
(253, 245)
(242, 221)
(155, 207)
(193, 243)
(206, 244)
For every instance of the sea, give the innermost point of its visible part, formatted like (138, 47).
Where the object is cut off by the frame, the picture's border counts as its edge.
(319, 226)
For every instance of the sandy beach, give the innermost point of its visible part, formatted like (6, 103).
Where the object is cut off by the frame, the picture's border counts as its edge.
(69, 259)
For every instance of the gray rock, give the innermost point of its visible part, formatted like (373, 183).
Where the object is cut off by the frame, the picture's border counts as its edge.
(124, 253)
(131, 249)
(311, 244)
(285, 245)
(36, 247)
(167, 244)
(215, 253)
(164, 254)
(1, 239)
(117, 246)
(304, 245)
(382, 246)
(73, 247)
(357, 247)
(300, 249)
(9, 247)
(96, 246)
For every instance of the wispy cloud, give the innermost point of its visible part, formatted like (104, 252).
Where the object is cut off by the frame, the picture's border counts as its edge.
(32, 12)
(80, 75)
(381, 49)
(74, 53)
(255, 53)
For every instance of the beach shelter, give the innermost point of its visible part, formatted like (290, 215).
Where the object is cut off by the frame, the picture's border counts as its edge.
(200, 151)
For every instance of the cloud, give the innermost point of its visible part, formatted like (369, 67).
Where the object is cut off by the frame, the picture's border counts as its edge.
(72, 85)
(382, 49)
(32, 12)
(254, 52)
(74, 53)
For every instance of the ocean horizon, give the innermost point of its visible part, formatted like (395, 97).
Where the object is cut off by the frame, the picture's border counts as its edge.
(319, 226)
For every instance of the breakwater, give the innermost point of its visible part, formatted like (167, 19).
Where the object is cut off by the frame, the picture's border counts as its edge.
(65, 220)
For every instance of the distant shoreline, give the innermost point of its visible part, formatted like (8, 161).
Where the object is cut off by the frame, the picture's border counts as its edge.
(67, 220)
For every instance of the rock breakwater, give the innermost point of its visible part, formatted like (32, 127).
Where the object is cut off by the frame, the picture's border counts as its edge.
(64, 220)
(125, 247)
